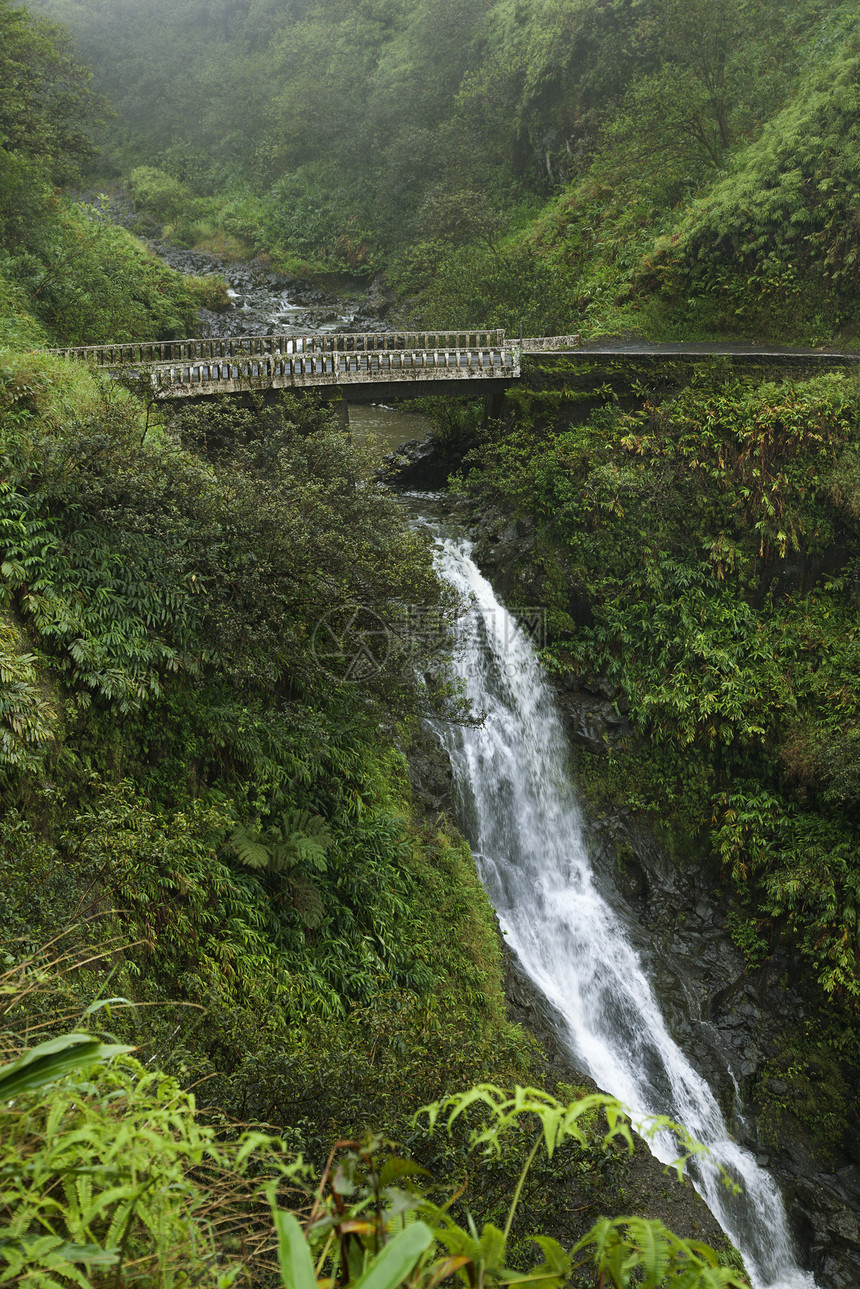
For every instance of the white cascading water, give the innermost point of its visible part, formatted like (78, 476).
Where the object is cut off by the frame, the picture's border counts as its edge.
(521, 816)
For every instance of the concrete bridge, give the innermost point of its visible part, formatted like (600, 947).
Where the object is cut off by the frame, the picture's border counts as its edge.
(421, 362)
(386, 366)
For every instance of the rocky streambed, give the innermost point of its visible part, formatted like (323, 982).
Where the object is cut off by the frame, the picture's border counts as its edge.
(260, 299)
(263, 301)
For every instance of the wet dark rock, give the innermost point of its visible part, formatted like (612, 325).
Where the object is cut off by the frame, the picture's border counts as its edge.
(378, 300)
(504, 551)
(430, 774)
(417, 465)
(829, 1229)
(266, 302)
(590, 720)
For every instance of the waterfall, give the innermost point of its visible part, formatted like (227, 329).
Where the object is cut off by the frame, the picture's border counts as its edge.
(519, 812)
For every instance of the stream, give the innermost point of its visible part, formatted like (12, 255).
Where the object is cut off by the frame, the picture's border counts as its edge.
(263, 301)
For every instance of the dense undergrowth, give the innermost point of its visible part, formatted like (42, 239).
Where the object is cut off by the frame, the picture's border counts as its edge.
(194, 794)
(162, 689)
(111, 1175)
(193, 772)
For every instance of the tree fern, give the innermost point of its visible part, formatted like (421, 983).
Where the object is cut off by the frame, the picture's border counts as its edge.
(248, 849)
(297, 840)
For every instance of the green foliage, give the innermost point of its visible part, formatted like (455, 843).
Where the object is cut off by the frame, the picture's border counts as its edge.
(46, 104)
(713, 80)
(162, 673)
(572, 165)
(300, 223)
(27, 717)
(161, 195)
(52, 1060)
(227, 932)
(637, 1252)
(46, 111)
(802, 870)
(297, 837)
(122, 607)
(296, 840)
(768, 247)
(84, 279)
(18, 328)
(105, 1171)
(374, 1223)
(802, 1090)
(91, 282)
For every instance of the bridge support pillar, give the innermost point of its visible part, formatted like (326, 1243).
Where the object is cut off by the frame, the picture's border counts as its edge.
(343, 410)
(493, 403)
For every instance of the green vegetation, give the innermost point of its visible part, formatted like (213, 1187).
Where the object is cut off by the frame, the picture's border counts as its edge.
(674, 168)
(63, 264)
(173, 593)
(204, 800)
(109, 1176)
(164, 698)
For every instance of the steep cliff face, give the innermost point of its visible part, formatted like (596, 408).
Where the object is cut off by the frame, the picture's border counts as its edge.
(751, 1032)
(748, 1015)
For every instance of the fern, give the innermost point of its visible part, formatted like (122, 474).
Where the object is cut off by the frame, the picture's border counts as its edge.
(298, 837)
(248, 849)
(296, 841)
(307, 900)
(27, 718)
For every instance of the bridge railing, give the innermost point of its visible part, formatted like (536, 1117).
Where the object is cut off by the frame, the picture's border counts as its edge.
(152, 353)
(279, 370)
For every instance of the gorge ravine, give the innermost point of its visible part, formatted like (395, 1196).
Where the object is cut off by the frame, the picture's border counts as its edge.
(822, 1207)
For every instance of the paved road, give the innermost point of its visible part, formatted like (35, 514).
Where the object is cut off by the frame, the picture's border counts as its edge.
(708, 349)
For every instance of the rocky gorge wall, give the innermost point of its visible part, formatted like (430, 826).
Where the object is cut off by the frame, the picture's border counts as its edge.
(740, 1027)
(748, 1031)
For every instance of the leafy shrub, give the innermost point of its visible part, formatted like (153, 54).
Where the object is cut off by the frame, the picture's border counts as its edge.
(300, 218)
(773, 244)
(27, 716)
(162, 195)
(107, 1172)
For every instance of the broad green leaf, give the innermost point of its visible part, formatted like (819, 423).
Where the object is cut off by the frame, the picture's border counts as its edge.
(52, 1060)
(107, 1002)
(397, 1260)
(294, 1257)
